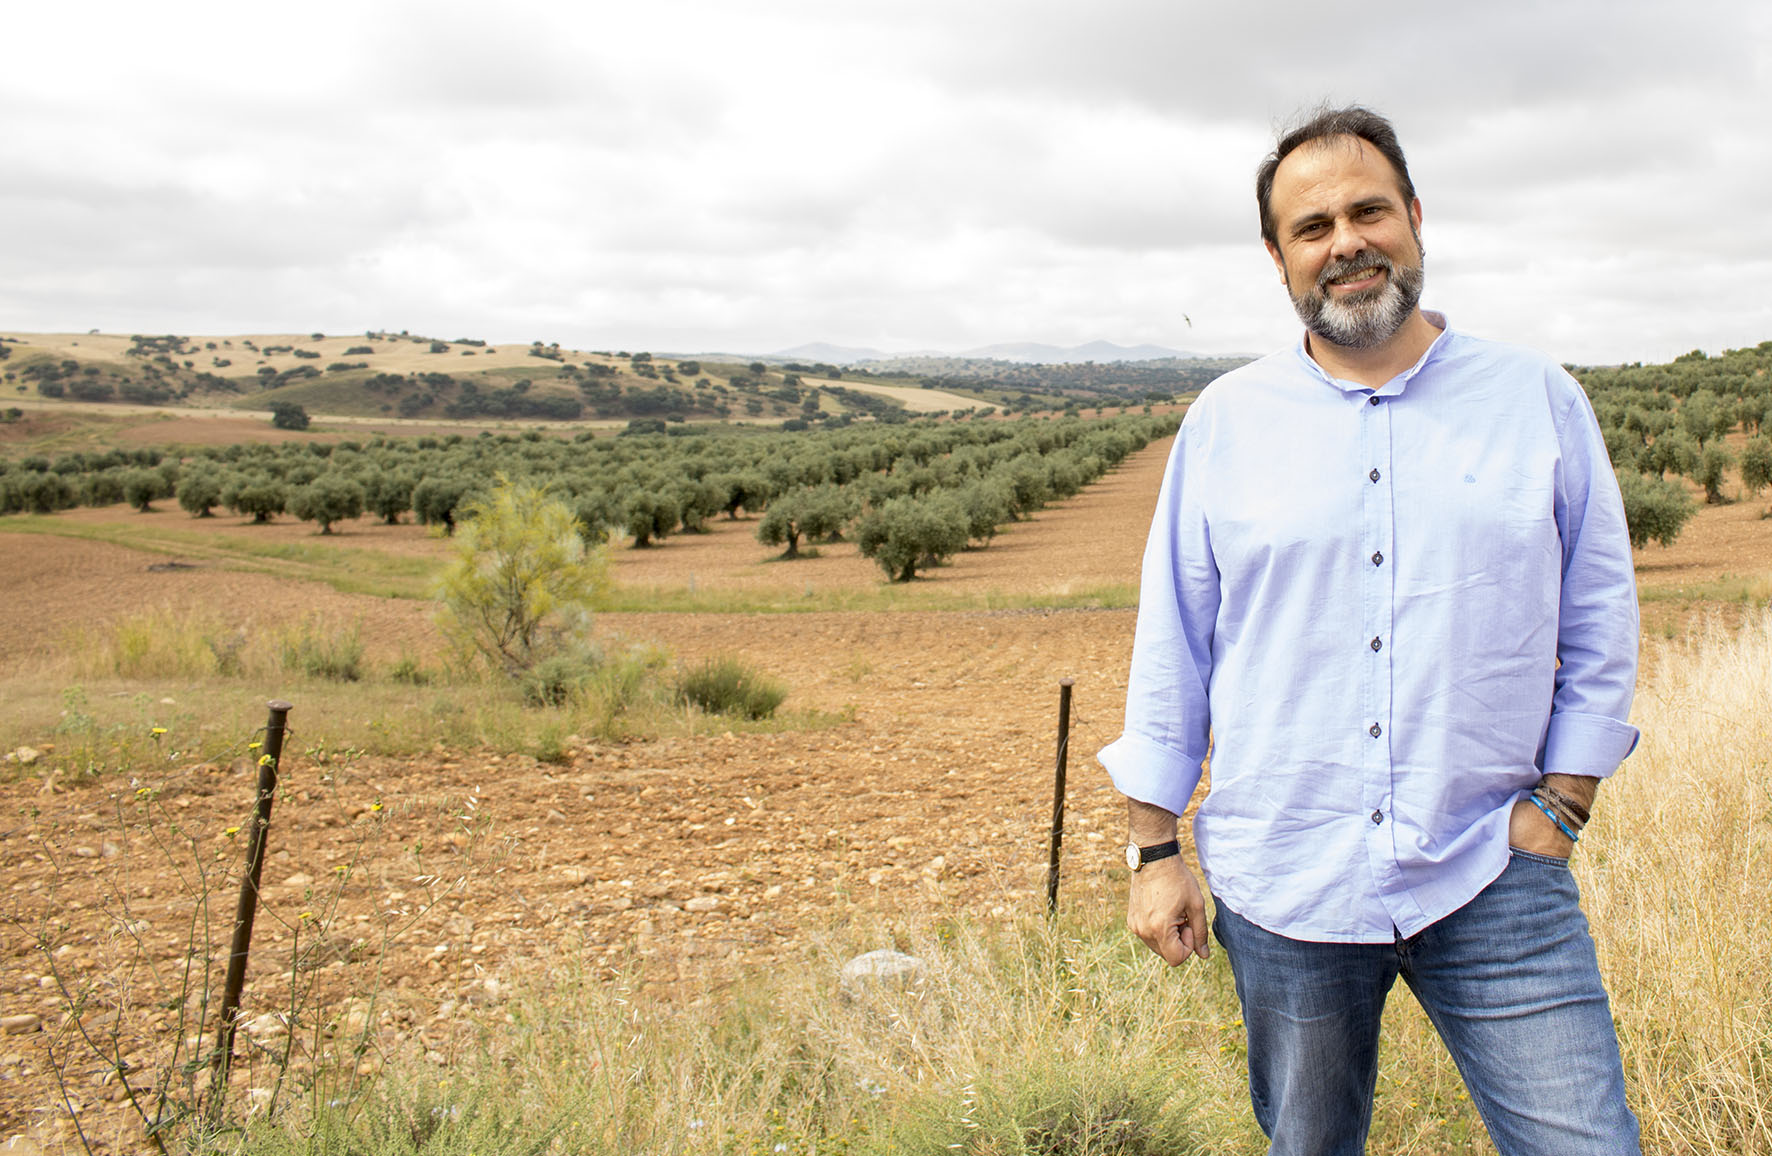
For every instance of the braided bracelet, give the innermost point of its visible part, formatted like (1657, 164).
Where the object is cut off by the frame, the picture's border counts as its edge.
(1554, 817)
(1564, 803)
(1563, 812)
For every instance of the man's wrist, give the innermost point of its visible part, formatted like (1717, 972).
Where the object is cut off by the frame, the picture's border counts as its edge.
(1579, 788)
(1148, 824)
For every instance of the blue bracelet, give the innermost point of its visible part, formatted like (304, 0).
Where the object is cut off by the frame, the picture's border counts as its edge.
(1552, 816)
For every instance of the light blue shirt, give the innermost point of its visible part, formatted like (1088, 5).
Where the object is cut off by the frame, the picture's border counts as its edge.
(1388, 612)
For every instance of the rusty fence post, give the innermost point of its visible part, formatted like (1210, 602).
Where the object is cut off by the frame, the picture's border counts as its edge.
(247, 909)
(1064, 742)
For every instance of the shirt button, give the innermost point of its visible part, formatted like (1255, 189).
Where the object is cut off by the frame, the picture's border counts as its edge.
(1374, 474)
(1374, 730)
(1378, 557)
(1373, 400)
(1377, 817)
(1377, 644)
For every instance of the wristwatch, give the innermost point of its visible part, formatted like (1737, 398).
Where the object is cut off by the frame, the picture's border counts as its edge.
(1137, 857)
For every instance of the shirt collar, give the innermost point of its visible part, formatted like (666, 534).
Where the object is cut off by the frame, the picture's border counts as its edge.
(1396, 384)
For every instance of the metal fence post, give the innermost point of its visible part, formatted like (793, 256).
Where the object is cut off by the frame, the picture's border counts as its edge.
(1064, 742)
(247, 909)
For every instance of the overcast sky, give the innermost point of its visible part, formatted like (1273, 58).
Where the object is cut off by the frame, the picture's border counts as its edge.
(692, 175)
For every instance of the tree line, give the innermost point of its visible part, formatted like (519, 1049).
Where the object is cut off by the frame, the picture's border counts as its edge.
(1665, 422)
(912, 495)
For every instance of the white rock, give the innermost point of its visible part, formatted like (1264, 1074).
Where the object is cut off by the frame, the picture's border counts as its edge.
(884, 966)
(18, 1025)
(24, 756)
(703, 903)
(265, 1027)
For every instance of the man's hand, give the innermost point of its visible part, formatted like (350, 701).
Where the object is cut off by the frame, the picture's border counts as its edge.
(1529, 829)
(1167, 911)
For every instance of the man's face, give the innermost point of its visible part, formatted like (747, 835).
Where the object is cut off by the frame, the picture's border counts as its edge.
(1349, 247)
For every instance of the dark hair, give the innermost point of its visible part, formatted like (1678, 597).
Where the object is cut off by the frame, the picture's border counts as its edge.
(1360, 123)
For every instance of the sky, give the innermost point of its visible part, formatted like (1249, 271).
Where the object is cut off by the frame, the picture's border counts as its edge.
(710, 175)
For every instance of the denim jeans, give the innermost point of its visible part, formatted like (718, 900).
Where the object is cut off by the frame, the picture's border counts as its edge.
(1510, 981)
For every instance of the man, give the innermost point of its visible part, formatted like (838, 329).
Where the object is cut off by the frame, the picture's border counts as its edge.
(1389, 577)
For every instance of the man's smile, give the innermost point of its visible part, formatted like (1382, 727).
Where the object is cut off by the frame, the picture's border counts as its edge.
(1359, 278)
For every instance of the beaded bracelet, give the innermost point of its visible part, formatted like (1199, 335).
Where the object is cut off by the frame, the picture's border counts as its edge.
(1554, 817)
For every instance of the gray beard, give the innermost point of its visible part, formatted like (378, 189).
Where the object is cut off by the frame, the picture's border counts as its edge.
(1368, 319)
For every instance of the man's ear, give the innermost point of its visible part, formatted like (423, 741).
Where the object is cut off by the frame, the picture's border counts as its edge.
(1273, 251)
(1415, 213)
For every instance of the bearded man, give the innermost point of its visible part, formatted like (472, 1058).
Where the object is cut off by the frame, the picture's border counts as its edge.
(1389, 585)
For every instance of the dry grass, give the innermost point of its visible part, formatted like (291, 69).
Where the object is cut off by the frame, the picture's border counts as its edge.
(1677, 880)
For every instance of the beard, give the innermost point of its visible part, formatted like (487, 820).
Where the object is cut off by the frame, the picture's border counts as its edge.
(1371, 317)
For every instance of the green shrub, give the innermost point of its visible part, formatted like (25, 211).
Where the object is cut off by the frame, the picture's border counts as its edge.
(521, 585)
(558, 679)
(727, 685)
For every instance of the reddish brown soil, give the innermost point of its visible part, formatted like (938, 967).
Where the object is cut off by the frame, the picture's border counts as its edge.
(689, 859)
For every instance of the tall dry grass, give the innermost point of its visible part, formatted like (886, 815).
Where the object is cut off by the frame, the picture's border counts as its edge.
(1676, 875)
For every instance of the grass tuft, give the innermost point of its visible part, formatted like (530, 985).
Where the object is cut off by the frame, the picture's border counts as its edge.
(727, 685)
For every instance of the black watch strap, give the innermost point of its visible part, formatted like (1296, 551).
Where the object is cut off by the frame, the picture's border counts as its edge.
(1158, 851)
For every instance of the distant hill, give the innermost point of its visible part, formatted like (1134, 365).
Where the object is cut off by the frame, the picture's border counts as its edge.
(1034, 353)
(1015, 352)
(381, 374)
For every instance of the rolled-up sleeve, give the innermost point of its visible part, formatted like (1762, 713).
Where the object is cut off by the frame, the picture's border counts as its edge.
(1158, 757)
(1597, 626)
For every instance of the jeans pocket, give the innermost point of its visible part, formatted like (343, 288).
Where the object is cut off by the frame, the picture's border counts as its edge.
(1535, 857)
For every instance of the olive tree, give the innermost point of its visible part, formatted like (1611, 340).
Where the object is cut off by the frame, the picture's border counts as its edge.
(908, 534)
(647, 515)
(814, 512)
(1756, 465)
(141, 488)
(1655, 509)
(327, 499)
(199, 492)
(387, 494)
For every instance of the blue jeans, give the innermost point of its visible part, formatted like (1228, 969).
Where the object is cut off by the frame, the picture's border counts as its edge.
(1511, 983)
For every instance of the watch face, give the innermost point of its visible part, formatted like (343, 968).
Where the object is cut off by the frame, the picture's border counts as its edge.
(1133, 859)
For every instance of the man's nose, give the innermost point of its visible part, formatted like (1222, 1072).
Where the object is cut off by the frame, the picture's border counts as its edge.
(1347, 240)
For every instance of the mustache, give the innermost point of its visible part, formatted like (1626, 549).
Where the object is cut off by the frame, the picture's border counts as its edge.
(1354, 264)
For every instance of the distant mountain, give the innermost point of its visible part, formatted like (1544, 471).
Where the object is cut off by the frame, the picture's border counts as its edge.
(828, 353)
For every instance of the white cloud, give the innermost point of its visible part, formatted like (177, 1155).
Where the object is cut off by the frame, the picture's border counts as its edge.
(685, 175)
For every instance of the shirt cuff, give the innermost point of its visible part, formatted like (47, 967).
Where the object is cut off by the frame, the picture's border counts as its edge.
(1150, 773)
(1586, 744)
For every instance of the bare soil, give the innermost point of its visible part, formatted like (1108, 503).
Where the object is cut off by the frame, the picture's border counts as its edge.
(686, 861)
